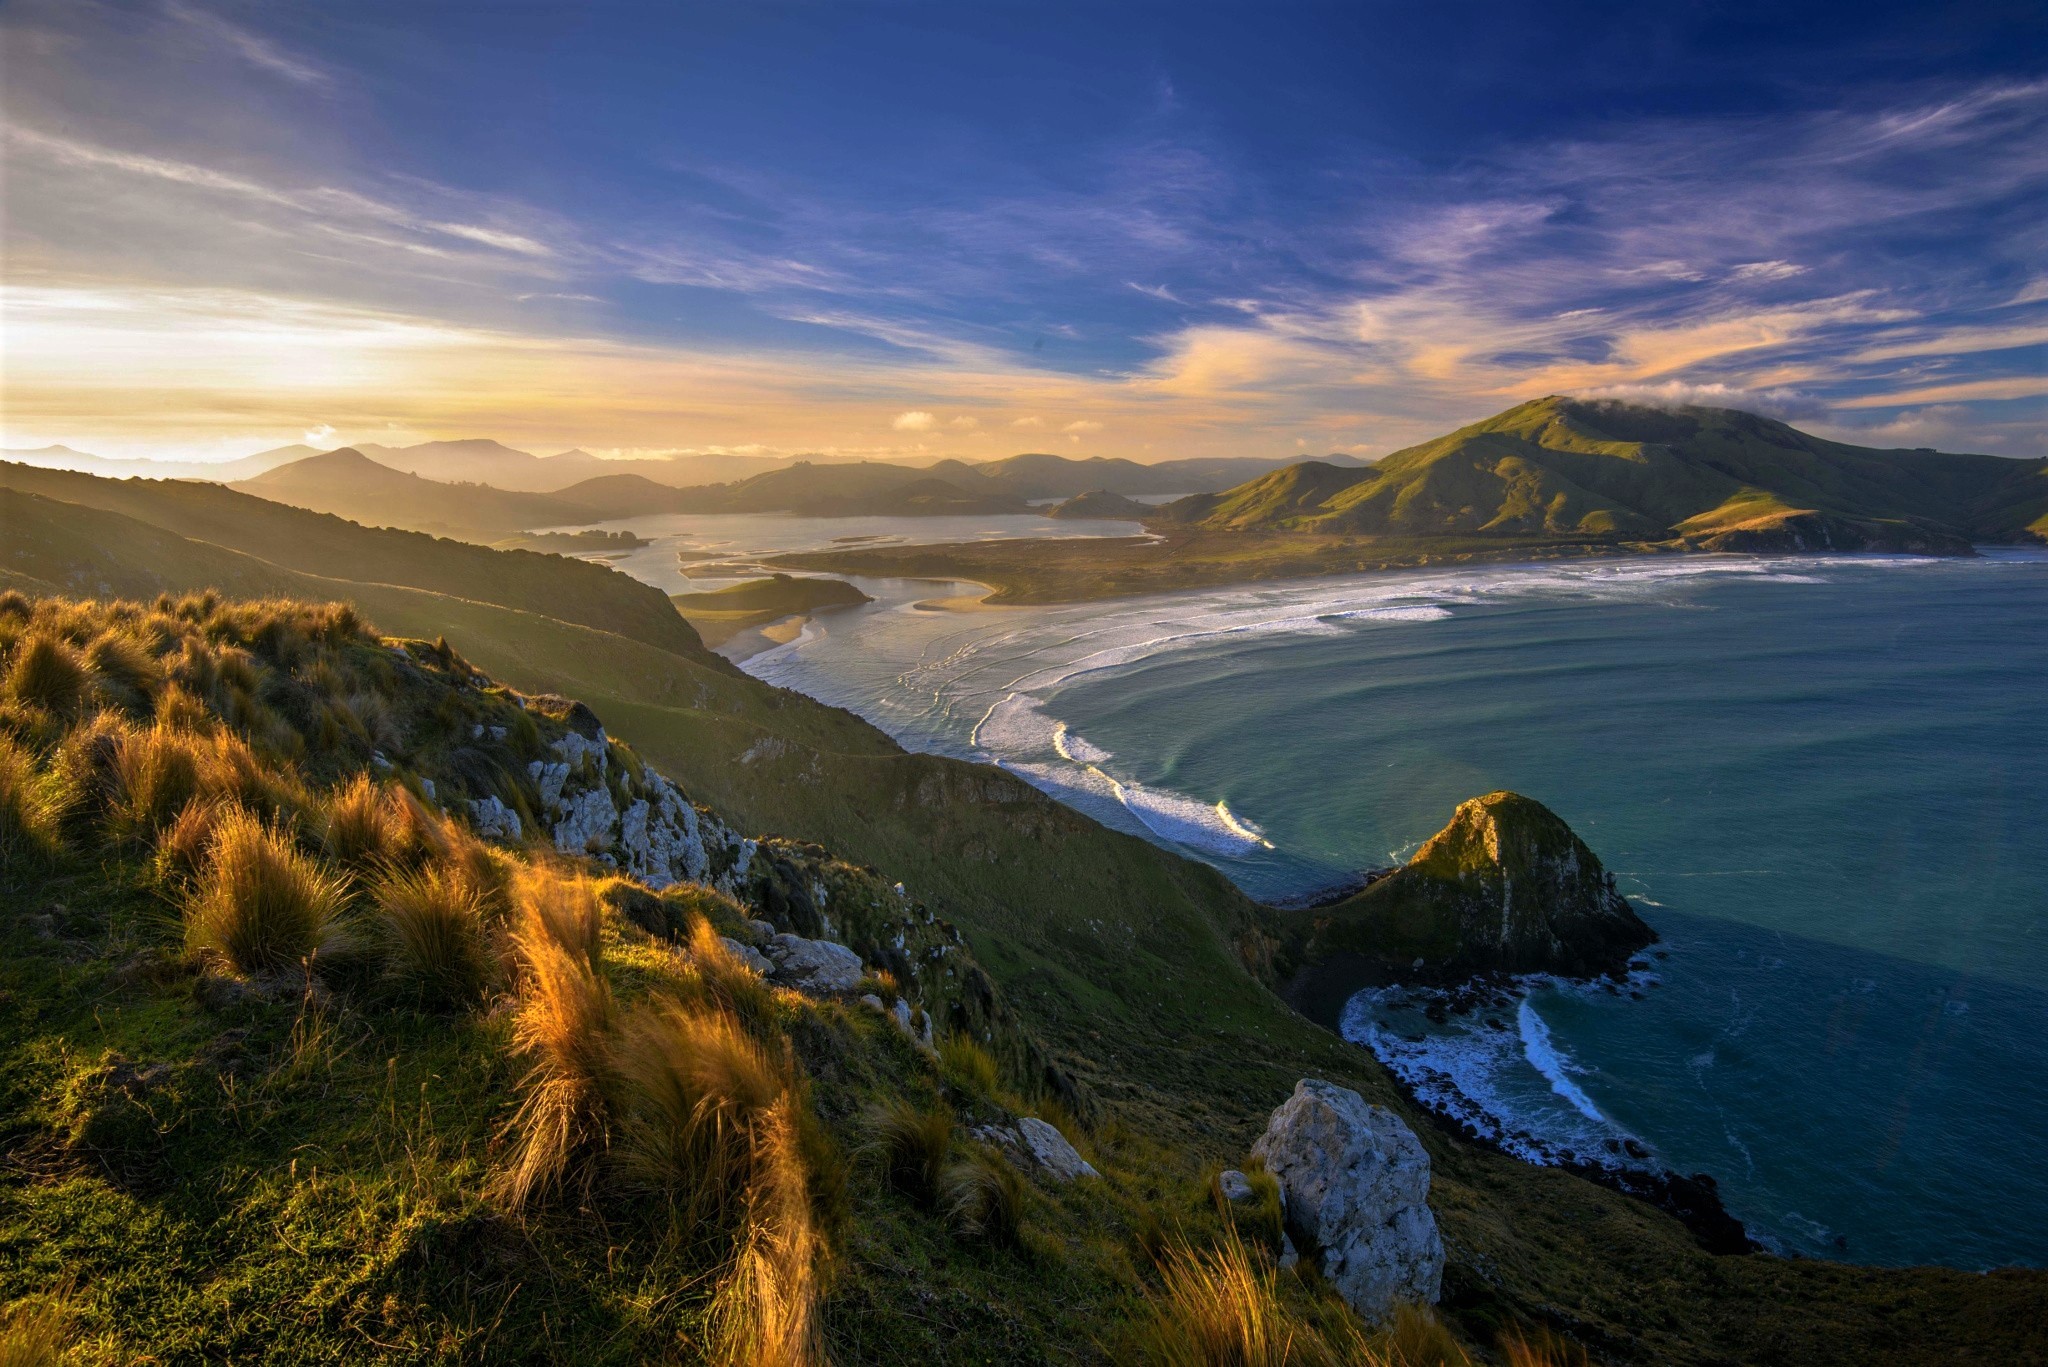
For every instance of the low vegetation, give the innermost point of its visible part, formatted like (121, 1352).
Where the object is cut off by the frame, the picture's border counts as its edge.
(306, 980)
(230, 1173)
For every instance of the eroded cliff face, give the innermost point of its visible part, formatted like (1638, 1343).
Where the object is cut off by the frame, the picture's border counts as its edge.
(1506, 887)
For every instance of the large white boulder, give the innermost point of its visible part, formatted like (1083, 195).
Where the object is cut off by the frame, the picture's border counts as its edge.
(820, 967)
(1355, 1181)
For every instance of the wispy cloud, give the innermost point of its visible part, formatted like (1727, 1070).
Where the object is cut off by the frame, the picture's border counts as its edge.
(253, 48)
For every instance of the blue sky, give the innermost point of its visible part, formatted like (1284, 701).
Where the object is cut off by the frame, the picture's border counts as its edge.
(1129, 229)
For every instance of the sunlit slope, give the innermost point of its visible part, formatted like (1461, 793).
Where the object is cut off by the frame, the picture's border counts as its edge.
(1135, 965)
(1576, 469)
(314, 543)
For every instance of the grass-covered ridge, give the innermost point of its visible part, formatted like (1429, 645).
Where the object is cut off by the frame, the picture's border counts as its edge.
(299, 1068)
(1548, 478)
(1136, 969)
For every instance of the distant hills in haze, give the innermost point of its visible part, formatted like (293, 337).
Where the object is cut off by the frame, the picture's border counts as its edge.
(1556, 472)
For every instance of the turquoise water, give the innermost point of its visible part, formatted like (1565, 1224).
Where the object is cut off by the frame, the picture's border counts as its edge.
(1823, 781)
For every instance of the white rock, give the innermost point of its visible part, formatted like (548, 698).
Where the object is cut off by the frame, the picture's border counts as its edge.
(816, 966)
(493, 819)
(1051, 1151)
(586, 824)
(748, 955)
(1355, 1181)
(1234, 1185)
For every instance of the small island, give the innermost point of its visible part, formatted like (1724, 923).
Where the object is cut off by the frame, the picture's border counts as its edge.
(1103, 504)
(721, 614)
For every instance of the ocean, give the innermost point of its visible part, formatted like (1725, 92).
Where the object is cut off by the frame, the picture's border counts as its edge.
(1823, 781)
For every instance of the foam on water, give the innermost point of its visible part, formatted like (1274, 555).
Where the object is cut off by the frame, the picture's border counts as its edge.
(1458, 1055)
(1542, 1054)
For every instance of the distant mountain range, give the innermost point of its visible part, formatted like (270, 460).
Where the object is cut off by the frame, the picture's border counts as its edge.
(1578, 470)
(363, 485)
(481, 460)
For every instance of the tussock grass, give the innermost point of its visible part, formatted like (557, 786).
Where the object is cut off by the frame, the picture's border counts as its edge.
(358, 828)
(913, 1146)
(431, 921)
(765, 1312)
(983, 1197)
(558, 908)
(259, 904)
(125, 671)
(967, 1065)
(46, 672)
(156, 773)
(30, 832)
(1544, 1349)
(695, 1092)
(564, 1025)
(181, 845)
(727, 982)
(36, 1333)
(1220, 1307)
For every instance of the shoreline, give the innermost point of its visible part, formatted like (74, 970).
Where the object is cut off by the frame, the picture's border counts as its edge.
(1047, 571)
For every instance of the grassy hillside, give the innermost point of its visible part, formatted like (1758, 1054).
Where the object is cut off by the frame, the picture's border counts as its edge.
(1139, 970)
(1610, 471)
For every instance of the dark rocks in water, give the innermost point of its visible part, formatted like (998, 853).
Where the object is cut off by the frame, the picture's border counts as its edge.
(1506, 887)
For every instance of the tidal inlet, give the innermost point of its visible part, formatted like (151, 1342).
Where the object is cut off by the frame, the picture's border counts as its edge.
(1101, 684)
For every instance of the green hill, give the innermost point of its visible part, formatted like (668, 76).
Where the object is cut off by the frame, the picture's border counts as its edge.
(1597, 471)
(1147, 979)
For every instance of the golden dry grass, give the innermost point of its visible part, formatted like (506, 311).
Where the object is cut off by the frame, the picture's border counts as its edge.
(431, 924)
(30, 833)
(259, 904)
(35, 1333)
(564, 1024)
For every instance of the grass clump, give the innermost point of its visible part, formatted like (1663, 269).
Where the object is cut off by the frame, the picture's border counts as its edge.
(564, 1025)
(697, 1096)
(913, 1145)
(359, 828)
(967, 1065)
(47, 673)
(260, 905)
(436, 947)
(983, 1198)
(36, 1333)
(30, 833)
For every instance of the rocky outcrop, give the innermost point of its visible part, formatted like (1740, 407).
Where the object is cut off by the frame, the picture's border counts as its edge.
(1506, 887)
(1354, 1181)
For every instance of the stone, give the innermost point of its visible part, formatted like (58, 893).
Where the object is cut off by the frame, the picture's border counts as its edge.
(494, 820)
(819, 967)
(1051, 1151)
(1234, 1185)
(586, 824)
(748, 955)
(1354, 1180)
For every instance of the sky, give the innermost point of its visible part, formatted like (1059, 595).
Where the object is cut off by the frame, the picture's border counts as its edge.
(975, 228)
